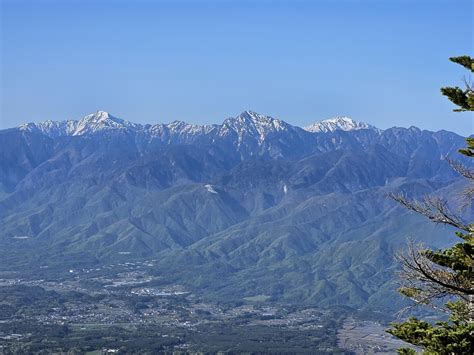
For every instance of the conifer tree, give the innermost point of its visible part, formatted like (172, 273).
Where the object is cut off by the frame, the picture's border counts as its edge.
(442, 279)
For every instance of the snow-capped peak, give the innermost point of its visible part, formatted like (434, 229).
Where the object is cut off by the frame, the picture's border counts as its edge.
(99, 121)
(51, 128)
(93, 123)
(252, 124)
(341, 123)
(261, 121)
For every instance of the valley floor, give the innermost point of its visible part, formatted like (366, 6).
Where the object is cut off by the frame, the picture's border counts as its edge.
(367, 337)
(125, 308)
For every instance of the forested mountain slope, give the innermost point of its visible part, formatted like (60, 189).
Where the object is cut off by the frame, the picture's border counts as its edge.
(252, 206)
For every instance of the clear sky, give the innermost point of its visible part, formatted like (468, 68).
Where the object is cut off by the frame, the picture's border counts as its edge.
(382, 62)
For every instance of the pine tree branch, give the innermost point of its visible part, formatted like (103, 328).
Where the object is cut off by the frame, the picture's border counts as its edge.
(435, 209)
(460, 168)
(464, 60)
(427, 281)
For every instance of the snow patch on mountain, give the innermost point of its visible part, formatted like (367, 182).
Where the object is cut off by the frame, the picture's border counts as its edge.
(187, 129)
(210, 188)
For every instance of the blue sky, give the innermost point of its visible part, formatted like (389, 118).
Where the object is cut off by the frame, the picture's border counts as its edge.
(382, 62)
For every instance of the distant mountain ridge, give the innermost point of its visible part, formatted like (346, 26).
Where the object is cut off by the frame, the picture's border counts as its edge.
(253, 206)
(251, 133)
(245, 122)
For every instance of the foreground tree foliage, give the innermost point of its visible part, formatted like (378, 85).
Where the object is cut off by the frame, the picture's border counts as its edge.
(442, 279)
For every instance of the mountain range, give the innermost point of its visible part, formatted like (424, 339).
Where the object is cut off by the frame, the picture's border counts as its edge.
(253, 206)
